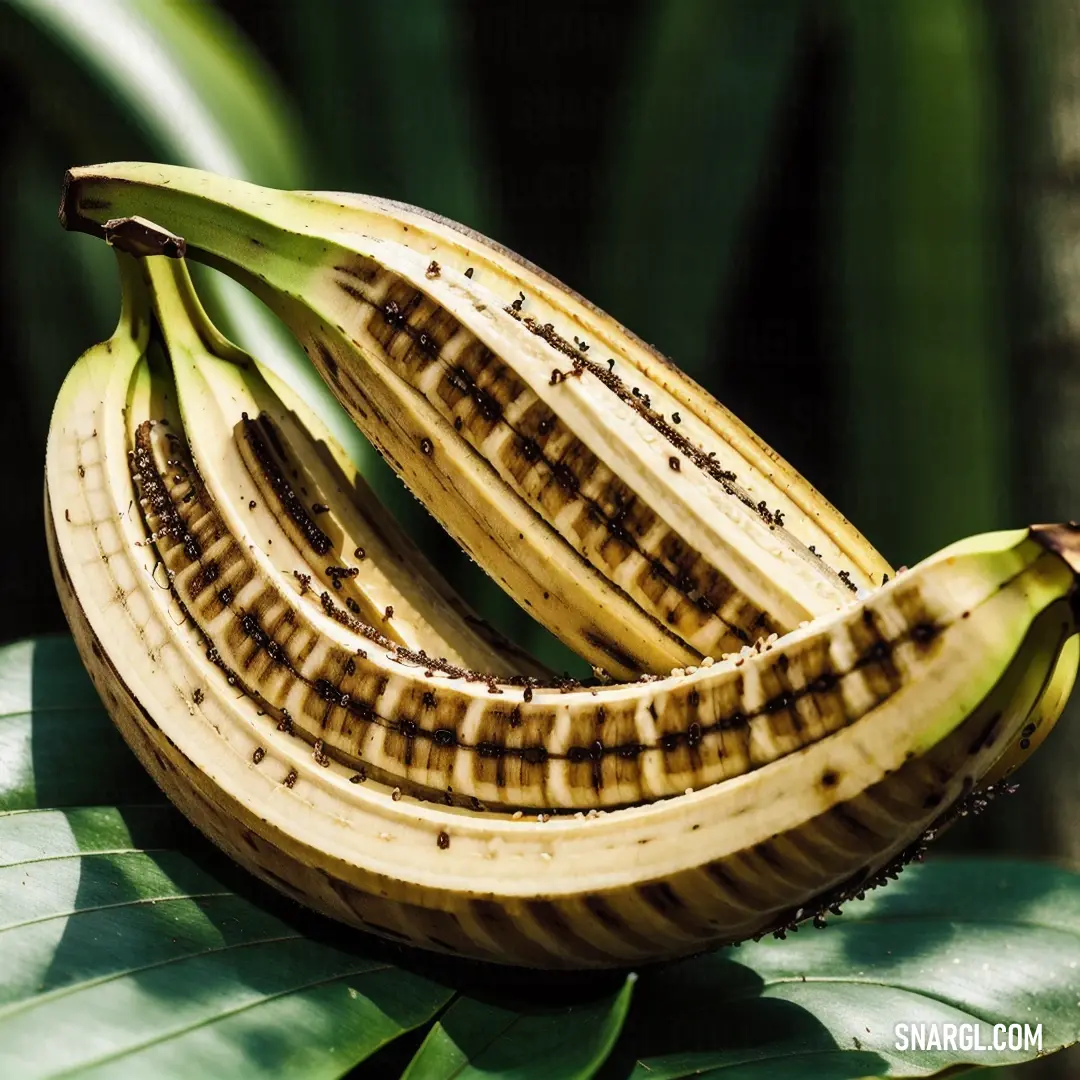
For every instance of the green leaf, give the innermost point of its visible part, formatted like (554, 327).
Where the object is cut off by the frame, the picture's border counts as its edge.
(102, 919)
(117, 938)
(193, 92)
(964, 941)
(475, 1039)
(921, 292)
(193, 85)
(130, 947)
(698, 127)
(57, 746)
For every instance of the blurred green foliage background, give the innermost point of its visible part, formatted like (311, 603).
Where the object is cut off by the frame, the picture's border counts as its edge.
(856, 222)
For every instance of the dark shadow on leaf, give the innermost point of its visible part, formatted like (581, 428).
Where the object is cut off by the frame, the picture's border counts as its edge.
(77, 757)
(506, 987)
(230, 945)
(940, 898)
(712, 1006)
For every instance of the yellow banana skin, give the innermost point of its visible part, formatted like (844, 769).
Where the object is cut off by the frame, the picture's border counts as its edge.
(329, 534)
(952, 659)
(1042, 718)
(569, 460)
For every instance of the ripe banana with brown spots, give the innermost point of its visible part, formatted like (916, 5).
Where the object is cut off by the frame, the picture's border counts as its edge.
(614, 498)
(370, 772)
(619, 503)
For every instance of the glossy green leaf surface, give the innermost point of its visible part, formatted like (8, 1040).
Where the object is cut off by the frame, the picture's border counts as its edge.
(951, 942)
(474, 1039)
(123, 953)
(57, 747)
(151, 966)
(128, 935)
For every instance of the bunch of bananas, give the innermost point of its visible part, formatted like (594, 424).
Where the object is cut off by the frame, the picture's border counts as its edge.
(773, 722)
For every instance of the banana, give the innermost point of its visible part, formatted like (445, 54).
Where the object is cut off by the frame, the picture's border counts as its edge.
(414, 797)
(612, 497)
(1042, 718)
(301, 501)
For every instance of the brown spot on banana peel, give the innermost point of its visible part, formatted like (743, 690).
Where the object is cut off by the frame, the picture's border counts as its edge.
(264, 461)
(396, 316)
(726, 479)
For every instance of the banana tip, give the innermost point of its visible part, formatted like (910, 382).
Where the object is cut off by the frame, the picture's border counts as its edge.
(1063, 539)
(83, 206)
(73, 202)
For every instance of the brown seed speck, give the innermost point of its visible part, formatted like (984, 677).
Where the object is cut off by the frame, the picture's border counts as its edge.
(251, 505)
(259, 754)
(198, 697)
(360, 553)
(396, 794)
(528, 694)
(82, 472)
(676, 418)
(433, 269)
(358, 777)
(290, 780)
(389, 612)
(426, 447)
(319, 508)
(444, 841)
(674, 463)
(67, 515)
(469, 272)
